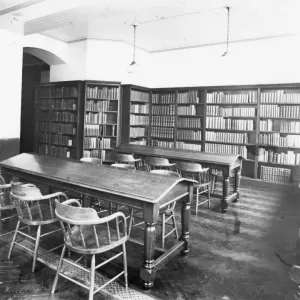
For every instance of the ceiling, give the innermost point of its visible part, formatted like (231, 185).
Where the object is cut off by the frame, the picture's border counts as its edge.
(162, 24)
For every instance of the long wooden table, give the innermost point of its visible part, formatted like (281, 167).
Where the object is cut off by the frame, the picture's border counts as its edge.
(138, 189)
(226, 163)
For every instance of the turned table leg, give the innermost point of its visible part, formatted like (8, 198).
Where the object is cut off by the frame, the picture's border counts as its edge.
(224, 202)
(147, 272)
(237, 184)
(185, 220)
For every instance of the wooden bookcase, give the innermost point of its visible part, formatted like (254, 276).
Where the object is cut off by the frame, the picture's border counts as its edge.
(227, 119)
(58, 127)
(101, 118)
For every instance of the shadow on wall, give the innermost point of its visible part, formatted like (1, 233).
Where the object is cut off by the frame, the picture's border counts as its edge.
(9, 148)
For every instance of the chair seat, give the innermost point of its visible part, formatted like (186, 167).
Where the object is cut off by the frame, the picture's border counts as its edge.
(5, 201)
(39, 215)
(90, 241)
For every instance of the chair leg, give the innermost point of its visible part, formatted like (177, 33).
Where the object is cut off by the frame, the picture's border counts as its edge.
(36, 247)
(197, 200)
(174, 224)
(14, 239)
(58, 269)
(125, 265)
(92, 278)
(163, 230)
(130, 220)
(208, 195)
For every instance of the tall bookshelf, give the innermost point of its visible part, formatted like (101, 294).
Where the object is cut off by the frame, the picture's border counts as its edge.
(57, 119)
(259, 122)
(101, 118)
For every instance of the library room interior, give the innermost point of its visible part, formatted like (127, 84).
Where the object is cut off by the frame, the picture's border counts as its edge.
(150, 149)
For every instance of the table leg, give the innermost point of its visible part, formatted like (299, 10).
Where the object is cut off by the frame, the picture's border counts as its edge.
(237, 185)
(224, 202)
(185, 220)
(147, 272)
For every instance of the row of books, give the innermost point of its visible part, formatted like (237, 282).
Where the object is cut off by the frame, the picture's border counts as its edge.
(266, 125)
(64, 91)
(52, 138)
(186, 146)
(95, 118)
(92, 153)
(139, 120)
(57, 104)
(142, 142)
(165, 98)
(292, 127)
(56, 116)
(107, 143)
(226, 149)
(163, 120)
(55, 150)
(163, 109)
(139, 96)
(97, 92)
(280, 96)
(189, 135)
(189, 122)
(227, 137)
(94, 142)
(221, 123)
(136, 132)
(105, 105)
(188, 97)
(60, 128)
(288, 158)
(162, 132)
(274, 139)
(98, 130)
(276, 111)
(280, 175)
(187, 110)
(214, 110)
(139, 108)
(161, 144)
(227, 97)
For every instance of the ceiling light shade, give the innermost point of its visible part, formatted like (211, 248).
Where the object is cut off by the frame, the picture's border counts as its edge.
(228, 27)
(133, 66)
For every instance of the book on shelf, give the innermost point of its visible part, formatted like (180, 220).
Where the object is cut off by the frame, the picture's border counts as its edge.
(214, 110)
(136, 132)
(162, 132)
(280, 96)
(279, 111)
(273, 174)
(183, 134)
(226, 149)
(56, 116)
(105, 105)
(142, 142)
(288, 157)
(266, 125)
(227, 137)
(163, 109)
(274, 139)
(162, 144)
(231, 124)
(139, 108)
(163, 121)
(164, 98)
(139, 96)
(290, 127)
(187, 146)
(230, 97)
(102, 92)
(56, 139)
(55, 150)
(92, 153)
(189, 110)
(60, 128)
(188, 97)
(189, 122)
(56, 104)
(64, 92)
(139, 120)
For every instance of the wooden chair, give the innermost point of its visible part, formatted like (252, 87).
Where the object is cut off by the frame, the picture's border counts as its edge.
(202, 176)
(158, 163)
(167, 212)
(128, 159)
(87, 234)
(6, 203)
(33, 209)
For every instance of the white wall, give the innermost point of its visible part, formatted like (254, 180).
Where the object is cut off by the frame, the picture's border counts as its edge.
(274, 60)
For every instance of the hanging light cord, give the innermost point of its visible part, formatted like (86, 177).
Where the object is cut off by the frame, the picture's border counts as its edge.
(134, 34)
(228, 28)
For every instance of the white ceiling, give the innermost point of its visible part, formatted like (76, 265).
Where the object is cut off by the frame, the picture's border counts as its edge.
(162, 24)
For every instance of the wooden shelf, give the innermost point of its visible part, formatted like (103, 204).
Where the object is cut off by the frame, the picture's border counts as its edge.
(232, 104)
(227, 143)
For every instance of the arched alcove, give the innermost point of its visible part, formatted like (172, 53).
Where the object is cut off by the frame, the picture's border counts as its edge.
(48, 57)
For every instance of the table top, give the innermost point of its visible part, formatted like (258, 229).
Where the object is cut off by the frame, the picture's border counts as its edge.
(128, 183)
(187, 155)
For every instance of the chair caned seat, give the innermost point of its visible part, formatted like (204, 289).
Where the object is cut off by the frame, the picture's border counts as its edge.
(86, 232)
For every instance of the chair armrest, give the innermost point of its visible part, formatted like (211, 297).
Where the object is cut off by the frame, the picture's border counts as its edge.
(112, 217)
(71, 201)
(5, 186)
(53, 195)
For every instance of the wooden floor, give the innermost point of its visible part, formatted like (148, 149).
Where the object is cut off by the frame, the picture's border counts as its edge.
(242, 255)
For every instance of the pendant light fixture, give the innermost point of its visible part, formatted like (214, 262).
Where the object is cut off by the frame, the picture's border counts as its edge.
(133, 66)
(228, 27)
